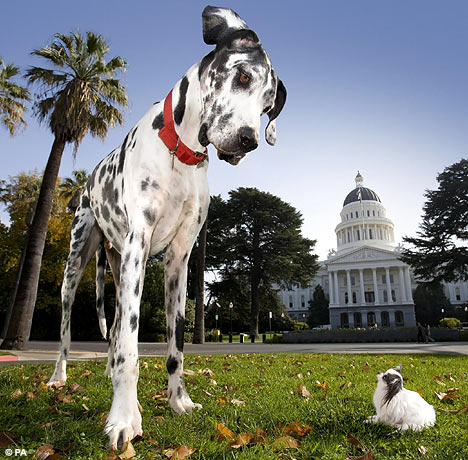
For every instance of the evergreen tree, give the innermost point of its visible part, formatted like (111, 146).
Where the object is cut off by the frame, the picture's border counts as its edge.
(440, 252)
(318, 310)
(429, 301)
(255, 237)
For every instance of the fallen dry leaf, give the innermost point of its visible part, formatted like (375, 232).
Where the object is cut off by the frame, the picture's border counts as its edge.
(189, 372)
(16, 394)
(260, 437)
(49, 424)
(180, 452)
(57, 384)
(44, 452)
(238, 402)
(223, 432)
(7, 438)
(423, 450)
(295, 429)
(352, 440)
(74, 388)
(302, 391)
(324, 386)
(222, 400)
(207, 372)
(128, 451)
(365, 367)
(446, 396)
(242, 440)
(286, 442)
(324, 358)
(86, 373)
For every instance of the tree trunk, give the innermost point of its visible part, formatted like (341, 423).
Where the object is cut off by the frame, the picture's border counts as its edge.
(19, 328)
(199, 330)
(255, 276)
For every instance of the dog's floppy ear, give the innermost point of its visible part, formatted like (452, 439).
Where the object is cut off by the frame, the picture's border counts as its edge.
(219, 23)
(270, 130)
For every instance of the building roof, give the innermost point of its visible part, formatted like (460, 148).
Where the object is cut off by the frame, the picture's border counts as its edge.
(361, 193)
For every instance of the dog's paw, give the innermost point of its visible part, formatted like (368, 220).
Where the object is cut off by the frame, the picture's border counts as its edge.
(121, 431)
(183, 404)
(57, 380)
(371, 419)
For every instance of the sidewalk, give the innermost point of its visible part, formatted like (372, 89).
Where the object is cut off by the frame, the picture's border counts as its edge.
(48, 351)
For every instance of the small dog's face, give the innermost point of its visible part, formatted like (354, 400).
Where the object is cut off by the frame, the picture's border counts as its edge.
(391, 382)
(238, 85)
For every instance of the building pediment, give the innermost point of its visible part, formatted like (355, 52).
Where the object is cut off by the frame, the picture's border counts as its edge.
(363, 254)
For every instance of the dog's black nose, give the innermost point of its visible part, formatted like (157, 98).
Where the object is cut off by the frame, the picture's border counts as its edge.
(247, 139)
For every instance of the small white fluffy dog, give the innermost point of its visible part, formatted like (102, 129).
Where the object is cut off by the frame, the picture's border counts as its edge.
(399, 407)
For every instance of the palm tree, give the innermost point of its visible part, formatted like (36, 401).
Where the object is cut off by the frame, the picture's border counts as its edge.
(11, 95)
(72, 187)
(77, 98)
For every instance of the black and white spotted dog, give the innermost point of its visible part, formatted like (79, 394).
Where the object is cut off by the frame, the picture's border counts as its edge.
(152, 193)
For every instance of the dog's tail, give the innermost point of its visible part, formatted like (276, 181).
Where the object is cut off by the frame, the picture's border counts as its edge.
(100, 283)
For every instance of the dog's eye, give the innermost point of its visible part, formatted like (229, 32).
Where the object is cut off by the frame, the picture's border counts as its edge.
(244, 78)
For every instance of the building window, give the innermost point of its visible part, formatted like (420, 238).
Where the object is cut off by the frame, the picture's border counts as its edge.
(385, 317)
(370, 319)
(399, 318)
(385, 296)
(393, 295)
(384, 279)
(370, 234)
(354, 297)
(457, 293)
(369, 296)
(346, 297)
(357, 320)
(302, 301)
(353, 281)
(344, 320)
(373, 213)
(358, 233)
(356, 214)
(368, 213)
(349, 237)
(291, 303)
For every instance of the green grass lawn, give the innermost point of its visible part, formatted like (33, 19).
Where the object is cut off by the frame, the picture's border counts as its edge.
(245, 393)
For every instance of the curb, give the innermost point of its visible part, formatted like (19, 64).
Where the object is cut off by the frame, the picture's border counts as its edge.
(8, 358)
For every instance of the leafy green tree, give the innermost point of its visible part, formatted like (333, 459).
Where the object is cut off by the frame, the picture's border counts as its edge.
(318, 310)
(256, 236)
(79, 96)
(12, 98)
(429, 301)
(440, 252)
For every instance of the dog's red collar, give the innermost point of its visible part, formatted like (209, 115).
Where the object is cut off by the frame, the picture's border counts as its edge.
(172, 141)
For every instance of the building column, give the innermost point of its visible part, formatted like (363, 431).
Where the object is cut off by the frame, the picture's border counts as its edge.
(330, 289)
(361, 281)
(389, 286)
(391, 314)
(364, 319)
(376, 288)
(404, 299)
(335, 285)
(409, 292)
(378, 318)
(348, 285)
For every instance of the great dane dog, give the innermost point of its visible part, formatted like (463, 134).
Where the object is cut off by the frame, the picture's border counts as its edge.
(151, 193)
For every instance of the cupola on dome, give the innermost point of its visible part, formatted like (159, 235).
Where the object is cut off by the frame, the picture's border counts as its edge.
(360, 193)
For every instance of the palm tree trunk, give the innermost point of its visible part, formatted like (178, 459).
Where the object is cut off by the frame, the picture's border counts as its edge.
(199, 329)
(19, 327)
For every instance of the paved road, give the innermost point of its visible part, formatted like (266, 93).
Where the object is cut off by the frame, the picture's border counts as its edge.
(47, 351)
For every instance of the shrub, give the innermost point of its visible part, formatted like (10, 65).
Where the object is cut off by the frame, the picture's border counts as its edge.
(450, 322)
(299, 326)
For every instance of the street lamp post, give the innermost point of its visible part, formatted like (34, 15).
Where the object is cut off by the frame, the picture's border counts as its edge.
(216, 317)
(230, 316)
(270, 314)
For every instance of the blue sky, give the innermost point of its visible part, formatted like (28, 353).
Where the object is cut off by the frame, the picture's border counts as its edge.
(380, 87)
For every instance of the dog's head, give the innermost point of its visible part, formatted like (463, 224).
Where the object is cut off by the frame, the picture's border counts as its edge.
(390, 382)
(238, 85)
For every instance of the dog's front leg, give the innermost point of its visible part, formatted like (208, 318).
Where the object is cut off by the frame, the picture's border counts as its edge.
(176, 261)
(124, 421)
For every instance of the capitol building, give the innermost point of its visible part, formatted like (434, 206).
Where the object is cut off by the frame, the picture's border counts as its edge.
(366, 282)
